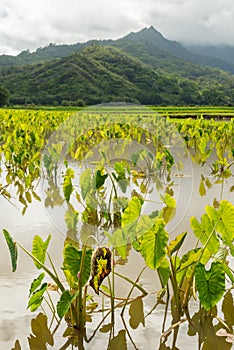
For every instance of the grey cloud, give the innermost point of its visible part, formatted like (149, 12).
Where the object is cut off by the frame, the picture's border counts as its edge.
(29, 24)
(3, 13)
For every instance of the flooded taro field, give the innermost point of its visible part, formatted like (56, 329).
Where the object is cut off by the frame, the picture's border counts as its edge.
(117, 231)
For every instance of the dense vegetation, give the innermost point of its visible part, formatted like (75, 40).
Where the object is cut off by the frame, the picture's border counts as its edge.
(142, 67)
(122, 158)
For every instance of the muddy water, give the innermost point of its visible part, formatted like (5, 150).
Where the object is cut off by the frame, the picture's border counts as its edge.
(15, 319)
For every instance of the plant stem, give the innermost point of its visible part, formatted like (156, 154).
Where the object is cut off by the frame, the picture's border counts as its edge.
(131, 290)
(132, 282)
(81, 321)
(54, 278)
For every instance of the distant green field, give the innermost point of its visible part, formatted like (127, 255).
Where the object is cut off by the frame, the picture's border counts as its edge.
(167, 111)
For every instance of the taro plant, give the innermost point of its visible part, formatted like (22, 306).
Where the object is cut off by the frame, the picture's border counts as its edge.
(204, 270)
(76, 268)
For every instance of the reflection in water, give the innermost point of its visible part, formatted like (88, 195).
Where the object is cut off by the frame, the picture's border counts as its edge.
(131, 322)
(126, 332)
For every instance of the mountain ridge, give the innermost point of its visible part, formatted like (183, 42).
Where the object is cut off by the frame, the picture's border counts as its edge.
(149, 35)
(130, 69)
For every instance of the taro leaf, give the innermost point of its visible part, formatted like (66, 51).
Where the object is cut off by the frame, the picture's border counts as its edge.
(72, 263)
(101, 267)
(223, 219)
(202, 188)
(37, 298)
(208, 183)
(136, 313)
(189, 259)
(228, 271)
(41, 334)
(119, 341)
(17, 345)
(71, 218)
(100, 179)
(210, 284)
(176, 244)
(153, 245)
(169, 201)
(170, 210)
(85, 182)
(135, 157)
(121, 178)
(67, 184)
(164, 271)
(168, 214)
(39, 249)
(203, 231)
(12, 248)
(130, 216)
(65, 302)
(36, 283)
(119, 242)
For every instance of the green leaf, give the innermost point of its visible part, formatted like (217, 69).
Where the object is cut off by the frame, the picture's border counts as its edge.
(65, 302)
(36, 283)
(71, 218)
(100, 179)
(169, 201)
(121, 177)
(72, 262)
(164, 271)
(118, 241)
(36, 298)
(85, 182)
(189, 259)
(136, 313)
(67, 184)
(39, 249)
(210, 284)
(223, 219)
(176, 244)
(169, 211)
(131, 215)
(202, 188)
(12, 248)
(153, 245)
(203, 231)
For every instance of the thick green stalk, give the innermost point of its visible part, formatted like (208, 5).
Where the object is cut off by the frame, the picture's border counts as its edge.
(81, 321)
(54, 278)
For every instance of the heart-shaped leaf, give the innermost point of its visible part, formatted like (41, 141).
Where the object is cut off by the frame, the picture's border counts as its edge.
(210, 284)
(39, 249)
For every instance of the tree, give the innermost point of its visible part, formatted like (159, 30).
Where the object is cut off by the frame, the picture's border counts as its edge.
(4, 96)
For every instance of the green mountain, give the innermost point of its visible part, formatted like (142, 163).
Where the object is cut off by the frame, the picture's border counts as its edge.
(150, 36)
(155, 39)
(142, 67)
(96, 74)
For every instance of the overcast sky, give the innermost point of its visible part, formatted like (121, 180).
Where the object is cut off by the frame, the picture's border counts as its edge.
(29, 24)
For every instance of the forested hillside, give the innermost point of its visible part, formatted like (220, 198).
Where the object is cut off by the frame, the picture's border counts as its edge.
(142, 67)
